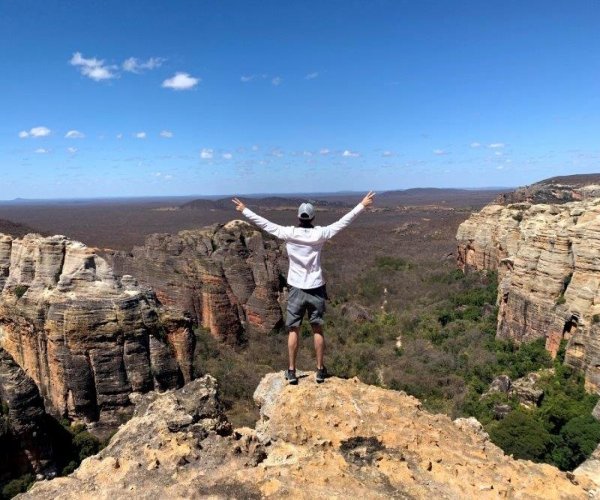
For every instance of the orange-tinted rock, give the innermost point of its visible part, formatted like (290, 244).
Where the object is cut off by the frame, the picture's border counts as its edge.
(226, 277)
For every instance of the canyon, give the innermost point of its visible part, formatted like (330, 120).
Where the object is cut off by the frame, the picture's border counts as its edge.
(547, 256)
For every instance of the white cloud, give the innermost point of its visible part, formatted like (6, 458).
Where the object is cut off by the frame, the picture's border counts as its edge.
(247, 78)
(387, 154)
(134, 65)
(181, 81)
(350, 154)
(312, 76)
(119, 136)
(227, 156)
(277, 81)
(93, 68)
(439, 152)
(72, 150)
(74, 134)
(167, 134)
(206, 154)
(41, 151)
(496, 145)
(278, 153)
(140, 135)
(307, 153)
(475, 145)
(324, 151)
(35, 132)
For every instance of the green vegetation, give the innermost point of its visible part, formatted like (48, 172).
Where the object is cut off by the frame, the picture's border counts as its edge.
(20, 290)
(16, 486)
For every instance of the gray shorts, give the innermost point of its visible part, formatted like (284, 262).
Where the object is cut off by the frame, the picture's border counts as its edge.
(301, 301)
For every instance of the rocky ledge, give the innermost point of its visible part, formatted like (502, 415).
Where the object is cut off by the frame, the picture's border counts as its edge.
(341, 439)
(548, 262)
(86, 337)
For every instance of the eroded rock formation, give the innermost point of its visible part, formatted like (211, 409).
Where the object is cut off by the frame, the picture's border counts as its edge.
(87, 338)
(226, 277)
(343, 439)
(548, 263)
(25, 443)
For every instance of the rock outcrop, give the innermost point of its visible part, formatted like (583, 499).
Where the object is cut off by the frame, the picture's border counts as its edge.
(342, 439)
(87, 338)
(226, 277)
(548, 263)
(25, 441)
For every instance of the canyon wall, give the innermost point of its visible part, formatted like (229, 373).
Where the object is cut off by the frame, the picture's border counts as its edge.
(86, 337)
(227, 278)
(548, 261)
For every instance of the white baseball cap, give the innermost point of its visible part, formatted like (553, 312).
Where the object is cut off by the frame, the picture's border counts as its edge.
(306, 211)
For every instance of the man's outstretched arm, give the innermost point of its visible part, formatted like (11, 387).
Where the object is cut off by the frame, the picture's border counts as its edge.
(331, 230)
(267, 225)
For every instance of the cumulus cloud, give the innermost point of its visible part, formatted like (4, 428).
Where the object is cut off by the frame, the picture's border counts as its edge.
(140, 135)
(496, 145)
(324, 151)
(387, 154)
(181, 81)
(277, 81)
(93, 68)
(312, 76)
(74, 134)
(475, 145)
(278, 153)
(350, 154)
(42, 151)
(206, 154)
(35, 132)
(439, 152)
(134, 65)
(167, 134)
(227, 156)
(72, 151)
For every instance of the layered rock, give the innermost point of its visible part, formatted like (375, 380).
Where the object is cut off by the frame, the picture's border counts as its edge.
(343, 439)
(87, 338)
(226, 277)
(548, 263)
(25, 441)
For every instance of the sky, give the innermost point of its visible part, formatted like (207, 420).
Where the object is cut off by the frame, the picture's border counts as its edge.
(146, 98)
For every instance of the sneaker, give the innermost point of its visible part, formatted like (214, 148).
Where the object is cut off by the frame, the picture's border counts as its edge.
(290, 376)
(321, 375)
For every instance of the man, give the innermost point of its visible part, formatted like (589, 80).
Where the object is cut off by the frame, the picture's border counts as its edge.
(305, 277)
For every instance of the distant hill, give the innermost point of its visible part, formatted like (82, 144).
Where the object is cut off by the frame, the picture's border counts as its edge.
(557, 190)
(272, 202)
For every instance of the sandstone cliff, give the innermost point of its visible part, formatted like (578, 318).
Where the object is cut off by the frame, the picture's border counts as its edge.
(25, 443)
(342, 439)
(226, 277)
(87, 338)
(548, 263)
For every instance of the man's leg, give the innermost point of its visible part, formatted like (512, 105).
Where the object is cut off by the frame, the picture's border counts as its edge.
(319, 344)
(293, 346)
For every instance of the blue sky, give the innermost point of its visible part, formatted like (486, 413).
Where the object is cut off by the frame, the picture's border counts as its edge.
(120, 98)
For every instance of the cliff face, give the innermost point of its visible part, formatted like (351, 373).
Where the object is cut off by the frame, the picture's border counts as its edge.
(548, 262)
(25, 443)
(226, 278)
(342, 439)
(87, 338)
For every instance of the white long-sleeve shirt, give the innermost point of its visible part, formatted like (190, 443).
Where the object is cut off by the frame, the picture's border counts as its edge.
(304, 246)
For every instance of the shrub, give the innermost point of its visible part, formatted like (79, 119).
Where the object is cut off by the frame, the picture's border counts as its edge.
(20, 290)
(17, 486)
(522, 435)
(392, 263)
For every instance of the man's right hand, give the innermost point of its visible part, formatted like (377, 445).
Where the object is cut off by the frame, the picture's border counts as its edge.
(239, 205)
(367, 201)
